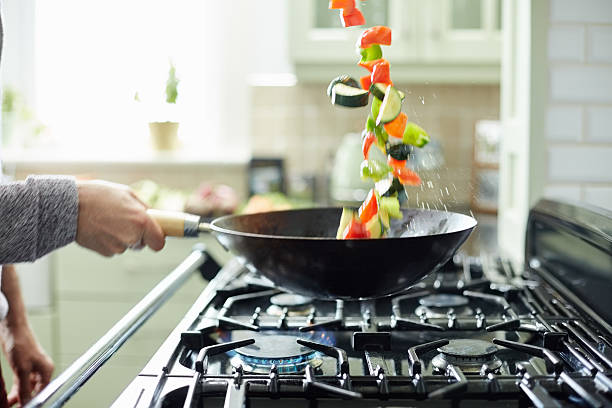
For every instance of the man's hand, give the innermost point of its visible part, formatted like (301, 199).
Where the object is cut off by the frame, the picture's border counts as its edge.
(32, 368)
(112, 219)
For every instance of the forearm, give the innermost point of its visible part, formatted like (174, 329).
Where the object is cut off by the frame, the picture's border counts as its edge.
(36, 216)
(16, 319)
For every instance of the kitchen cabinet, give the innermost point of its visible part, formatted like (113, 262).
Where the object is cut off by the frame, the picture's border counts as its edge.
(434, 41)
(92, 293)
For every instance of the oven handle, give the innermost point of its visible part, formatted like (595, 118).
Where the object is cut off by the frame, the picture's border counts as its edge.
(68, 382)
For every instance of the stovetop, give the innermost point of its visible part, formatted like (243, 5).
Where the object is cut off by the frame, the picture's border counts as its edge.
(473, 334)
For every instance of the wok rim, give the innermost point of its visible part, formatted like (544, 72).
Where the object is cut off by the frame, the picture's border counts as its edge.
(215, 228)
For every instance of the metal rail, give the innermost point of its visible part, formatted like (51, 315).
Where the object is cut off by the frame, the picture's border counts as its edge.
(68, 382)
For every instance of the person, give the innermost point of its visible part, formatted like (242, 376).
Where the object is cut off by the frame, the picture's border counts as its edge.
(45, 213)
(37, 216)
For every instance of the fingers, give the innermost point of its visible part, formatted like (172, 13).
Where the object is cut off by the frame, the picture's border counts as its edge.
(45, 370)
(13, 396)
(153, 236)
(25, 387)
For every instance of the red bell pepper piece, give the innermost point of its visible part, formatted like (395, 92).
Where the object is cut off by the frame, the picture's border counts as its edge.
(369, 208)
(355, 229)
(369, 65)
(375, 35)
(407, 176)
(367, 143)
(342, 4)
(396, 127)
(396, 164)
(380, 73)
(352, 18)
(366, 81)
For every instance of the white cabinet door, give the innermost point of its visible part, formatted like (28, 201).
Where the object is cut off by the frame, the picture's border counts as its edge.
(434, 40)
(317, 36)
(462, 31)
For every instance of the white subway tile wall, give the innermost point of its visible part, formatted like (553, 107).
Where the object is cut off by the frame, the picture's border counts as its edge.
(564, 123)
(566, 43)
(579, 112)
(300, 125)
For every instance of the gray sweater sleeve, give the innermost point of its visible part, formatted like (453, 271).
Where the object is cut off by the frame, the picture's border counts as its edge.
(36, 217)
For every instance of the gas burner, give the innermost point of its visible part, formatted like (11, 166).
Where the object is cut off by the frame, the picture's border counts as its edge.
(440, 305)
(282, 351)
(471, 356)
(296, 305)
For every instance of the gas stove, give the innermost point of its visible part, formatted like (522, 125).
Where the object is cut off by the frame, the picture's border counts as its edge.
(475, 333)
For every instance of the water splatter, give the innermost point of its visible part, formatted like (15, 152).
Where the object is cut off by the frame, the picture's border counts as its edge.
(430, 184)
(428, 206)
(422, 99)
(454, 186)
(447, 193)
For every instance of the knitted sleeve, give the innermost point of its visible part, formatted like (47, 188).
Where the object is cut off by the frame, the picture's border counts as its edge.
(36, 217)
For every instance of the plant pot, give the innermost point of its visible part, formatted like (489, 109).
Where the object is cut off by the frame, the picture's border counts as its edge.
(164, 135)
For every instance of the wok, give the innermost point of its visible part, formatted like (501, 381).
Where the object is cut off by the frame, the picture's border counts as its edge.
(297, 249)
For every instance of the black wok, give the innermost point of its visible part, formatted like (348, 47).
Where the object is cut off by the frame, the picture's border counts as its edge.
(297, 249)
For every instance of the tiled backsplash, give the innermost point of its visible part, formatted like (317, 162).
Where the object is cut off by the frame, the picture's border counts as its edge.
(579, 121)
(300, 125)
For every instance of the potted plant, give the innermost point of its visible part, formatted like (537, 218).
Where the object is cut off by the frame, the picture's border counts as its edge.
(164, 134)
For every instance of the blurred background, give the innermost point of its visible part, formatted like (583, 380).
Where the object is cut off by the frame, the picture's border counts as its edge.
(217, 107)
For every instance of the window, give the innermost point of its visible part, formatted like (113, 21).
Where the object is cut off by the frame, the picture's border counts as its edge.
(90, 59)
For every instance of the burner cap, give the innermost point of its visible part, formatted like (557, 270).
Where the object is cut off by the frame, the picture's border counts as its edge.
(280, 350)
(468, 348)
(290, 300)
(443, 300)
(472, 356)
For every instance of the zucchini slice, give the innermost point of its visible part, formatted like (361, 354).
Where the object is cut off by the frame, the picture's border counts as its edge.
(390, 107)
(349, 96)
(342, 79)
(378, 90)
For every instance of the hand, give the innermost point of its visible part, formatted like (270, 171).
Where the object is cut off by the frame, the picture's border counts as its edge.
(32, 368)
(111, 219)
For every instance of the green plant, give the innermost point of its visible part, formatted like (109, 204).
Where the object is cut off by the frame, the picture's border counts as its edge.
(171, 85)
(9, 100)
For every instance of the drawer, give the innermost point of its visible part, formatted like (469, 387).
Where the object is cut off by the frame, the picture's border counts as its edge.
(85, 274)
(82, 322)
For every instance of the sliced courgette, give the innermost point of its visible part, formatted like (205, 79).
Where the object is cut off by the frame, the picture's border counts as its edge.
(349, 96)
(378, 90)
(342, 79)
(390, 107)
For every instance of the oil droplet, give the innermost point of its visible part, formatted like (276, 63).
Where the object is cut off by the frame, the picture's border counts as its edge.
(422, 99)
(447, 193)
(472, 214)
(445, 209)
(428, 206)
(455, 187)
(430, 184)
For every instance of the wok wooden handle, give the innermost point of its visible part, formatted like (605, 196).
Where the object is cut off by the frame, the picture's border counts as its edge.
(178, 224)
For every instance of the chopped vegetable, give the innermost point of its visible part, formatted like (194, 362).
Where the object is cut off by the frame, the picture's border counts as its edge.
(366, 81)
(376, 107)
(375, 227)
(395, 164)
(407, 176)
(343, 79)
(375, 35)
(345, 219)
(396, 127)
(399, 151)
(390, 107)
(369, 65)
(342, 4)
(349, 96)
(391, 206)
(373, 52)
(367, 144)
(380, 73)
(374, 169)
(353, 18)
(415, 135)
(369, 208)
(355, 230)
